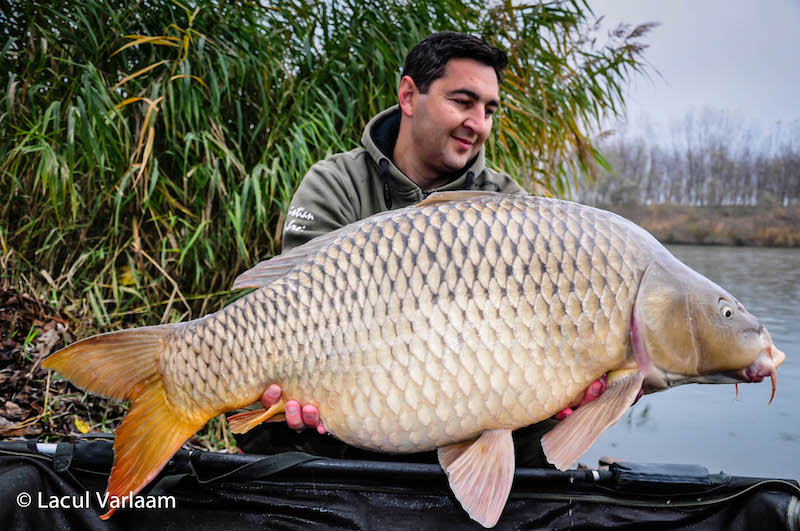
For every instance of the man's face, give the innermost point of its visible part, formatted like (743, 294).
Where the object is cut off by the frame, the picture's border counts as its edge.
(452, 121)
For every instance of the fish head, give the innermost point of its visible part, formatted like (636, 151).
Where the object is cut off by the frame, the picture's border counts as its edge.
(687, 329)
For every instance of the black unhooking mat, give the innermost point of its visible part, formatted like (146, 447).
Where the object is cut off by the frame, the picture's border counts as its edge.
(202, 490)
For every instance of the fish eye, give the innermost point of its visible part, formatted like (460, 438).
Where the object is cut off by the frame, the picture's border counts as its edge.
(726, 309)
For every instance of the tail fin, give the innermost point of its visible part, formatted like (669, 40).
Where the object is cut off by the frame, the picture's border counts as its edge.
(124, 365)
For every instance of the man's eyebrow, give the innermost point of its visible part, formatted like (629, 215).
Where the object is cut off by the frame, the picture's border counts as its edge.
(473, 95)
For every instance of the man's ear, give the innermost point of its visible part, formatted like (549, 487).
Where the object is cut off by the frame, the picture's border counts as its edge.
(407, 96)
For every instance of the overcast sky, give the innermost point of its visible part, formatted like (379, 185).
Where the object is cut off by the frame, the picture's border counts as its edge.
(742, 56)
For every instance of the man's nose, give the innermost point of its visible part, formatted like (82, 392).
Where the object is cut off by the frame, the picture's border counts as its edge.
(478, 121)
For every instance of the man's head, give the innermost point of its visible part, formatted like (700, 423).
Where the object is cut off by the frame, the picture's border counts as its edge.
(448, 95)
(426, 61)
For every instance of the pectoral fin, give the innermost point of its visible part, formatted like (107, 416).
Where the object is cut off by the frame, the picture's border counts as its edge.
(567, 442)
(480, 473)
(244, 422)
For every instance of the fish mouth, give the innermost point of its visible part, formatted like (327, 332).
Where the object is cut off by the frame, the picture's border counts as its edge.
(766, 364)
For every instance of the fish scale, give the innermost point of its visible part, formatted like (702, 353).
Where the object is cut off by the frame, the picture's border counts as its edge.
(501, 310)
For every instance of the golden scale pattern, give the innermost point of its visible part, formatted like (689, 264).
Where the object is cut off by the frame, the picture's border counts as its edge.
(430, 325)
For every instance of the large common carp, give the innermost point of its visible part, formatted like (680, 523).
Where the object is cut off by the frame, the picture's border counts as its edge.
(443, 325)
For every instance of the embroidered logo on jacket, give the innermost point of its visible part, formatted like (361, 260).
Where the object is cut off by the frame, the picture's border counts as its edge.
(297, 213)
(302, 213)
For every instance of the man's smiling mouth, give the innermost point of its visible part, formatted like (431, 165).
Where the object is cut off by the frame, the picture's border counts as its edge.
(464, 143)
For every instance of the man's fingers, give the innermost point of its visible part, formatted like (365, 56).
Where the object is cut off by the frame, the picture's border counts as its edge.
(597, 388)
(310, 416)
(312, 420)
(294, 417)
(271, 396)
(297, 418)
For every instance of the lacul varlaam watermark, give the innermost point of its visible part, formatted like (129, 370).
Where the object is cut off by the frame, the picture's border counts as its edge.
(88, 500)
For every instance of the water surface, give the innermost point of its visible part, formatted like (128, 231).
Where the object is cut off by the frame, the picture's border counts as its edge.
(705, 424)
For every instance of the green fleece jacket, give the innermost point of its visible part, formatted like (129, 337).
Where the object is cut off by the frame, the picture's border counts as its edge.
(350, 186)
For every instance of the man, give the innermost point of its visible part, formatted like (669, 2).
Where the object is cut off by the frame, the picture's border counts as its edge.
(432, 141)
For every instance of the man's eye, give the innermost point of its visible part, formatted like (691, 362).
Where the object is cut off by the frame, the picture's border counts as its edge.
(462, 102)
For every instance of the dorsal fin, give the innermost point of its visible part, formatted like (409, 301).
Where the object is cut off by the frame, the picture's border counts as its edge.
(457, 195)
(263, 273)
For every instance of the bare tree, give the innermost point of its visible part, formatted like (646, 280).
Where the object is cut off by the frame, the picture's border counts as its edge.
(711, 157)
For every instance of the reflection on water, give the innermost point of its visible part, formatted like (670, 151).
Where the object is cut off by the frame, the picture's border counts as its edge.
(705, 424)
(639, 418)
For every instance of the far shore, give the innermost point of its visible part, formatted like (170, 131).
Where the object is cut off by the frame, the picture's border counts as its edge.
(717, 225)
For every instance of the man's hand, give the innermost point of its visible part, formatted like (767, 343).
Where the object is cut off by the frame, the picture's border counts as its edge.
(597, 388)
(298, 419)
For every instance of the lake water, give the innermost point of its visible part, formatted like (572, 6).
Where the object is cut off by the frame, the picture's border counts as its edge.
(704, 424)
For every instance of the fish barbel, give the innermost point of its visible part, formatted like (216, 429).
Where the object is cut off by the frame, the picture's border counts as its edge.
(443, 325)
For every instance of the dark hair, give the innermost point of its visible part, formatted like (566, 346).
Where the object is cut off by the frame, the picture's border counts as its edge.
(426, 61)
